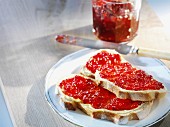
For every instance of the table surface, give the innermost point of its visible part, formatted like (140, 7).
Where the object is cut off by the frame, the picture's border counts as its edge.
(28, 51)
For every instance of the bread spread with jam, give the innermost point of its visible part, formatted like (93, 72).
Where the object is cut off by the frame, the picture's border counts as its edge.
(108, 87)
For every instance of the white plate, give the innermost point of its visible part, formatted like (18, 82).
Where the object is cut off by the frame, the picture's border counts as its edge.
(72, 64)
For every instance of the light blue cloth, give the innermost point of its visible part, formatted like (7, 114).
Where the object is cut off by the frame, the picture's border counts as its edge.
(5, 119)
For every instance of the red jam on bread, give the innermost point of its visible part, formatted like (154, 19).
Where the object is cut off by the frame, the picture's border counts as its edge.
(122, 74)
(102, 60)
(88, 92)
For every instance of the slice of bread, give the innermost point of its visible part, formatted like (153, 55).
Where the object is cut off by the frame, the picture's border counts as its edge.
(119, 83)
(118, 116)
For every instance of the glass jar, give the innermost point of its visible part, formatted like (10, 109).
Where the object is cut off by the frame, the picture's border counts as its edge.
(116, 20)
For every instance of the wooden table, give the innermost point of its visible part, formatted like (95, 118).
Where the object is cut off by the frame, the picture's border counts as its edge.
(28, 51)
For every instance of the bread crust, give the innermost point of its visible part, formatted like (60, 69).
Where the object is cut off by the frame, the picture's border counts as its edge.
(118, 117)
(142, 95)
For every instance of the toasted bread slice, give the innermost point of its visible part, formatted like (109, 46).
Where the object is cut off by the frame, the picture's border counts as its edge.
(118, 76)
(118, 115)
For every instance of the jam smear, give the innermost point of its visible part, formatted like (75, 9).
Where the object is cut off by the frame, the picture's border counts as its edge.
(65, 39)
(102, 60)
(60, 38)
(123, 74)
(87, 90)
(114, 21)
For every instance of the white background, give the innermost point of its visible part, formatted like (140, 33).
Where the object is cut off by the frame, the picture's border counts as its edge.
(162, 9)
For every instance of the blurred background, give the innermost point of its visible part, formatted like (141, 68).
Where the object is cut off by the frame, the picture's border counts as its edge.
(28, 19)
(162, 9)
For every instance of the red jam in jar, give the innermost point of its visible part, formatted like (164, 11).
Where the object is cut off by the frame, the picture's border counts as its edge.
(115, 20)
(88, 92)
(123, 74)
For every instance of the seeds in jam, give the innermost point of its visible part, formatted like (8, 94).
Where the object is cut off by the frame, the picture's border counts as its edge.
(87, 90)
(123, 74)
(102, 60)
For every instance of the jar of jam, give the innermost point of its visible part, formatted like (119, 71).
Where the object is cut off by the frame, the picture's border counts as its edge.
(116, 20)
